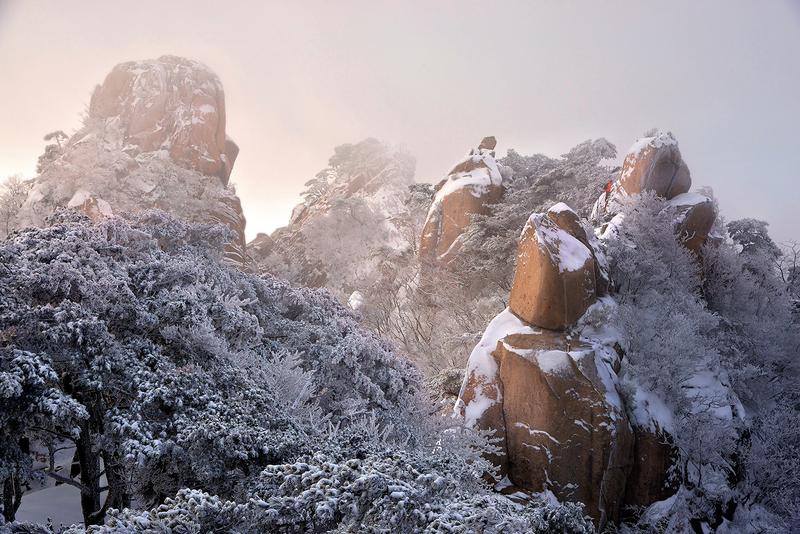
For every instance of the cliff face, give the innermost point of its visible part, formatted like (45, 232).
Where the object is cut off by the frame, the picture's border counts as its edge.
(154, 137)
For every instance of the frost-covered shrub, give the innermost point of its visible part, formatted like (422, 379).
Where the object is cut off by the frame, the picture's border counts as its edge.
(226, 401)
(353, 221)
(742, 286)
(12, 195)
(671, 350)
(172, 356)
(707, 336)
(391, 491)
(31, 406)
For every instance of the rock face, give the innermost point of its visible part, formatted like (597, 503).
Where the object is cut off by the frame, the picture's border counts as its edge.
(566, 429)
(469, 188)
(696, 216)
(544, 378)
(96, 208)
(154, 138)
(554, 403)
(653, 456)
(557, 274)
(654, 163)
(172, 104)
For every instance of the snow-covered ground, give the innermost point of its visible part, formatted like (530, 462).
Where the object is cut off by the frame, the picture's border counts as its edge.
(61, 504)
(45, 501)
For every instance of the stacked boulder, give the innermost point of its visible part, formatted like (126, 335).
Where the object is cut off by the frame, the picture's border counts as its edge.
(654, 163)
(470, 188)
(544, 375)
(549, 391)
(154, 137)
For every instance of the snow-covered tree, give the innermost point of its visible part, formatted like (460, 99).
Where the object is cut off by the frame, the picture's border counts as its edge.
(170, 356)
(752, 236)
(52, 151)
(353, 220)
(667, 328)
(707, 335)
(12, 195)
(33, 407)
(359, 482)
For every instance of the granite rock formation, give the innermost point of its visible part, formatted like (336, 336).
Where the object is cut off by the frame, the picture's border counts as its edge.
(154, 137)
(470, 188)
(544, 378)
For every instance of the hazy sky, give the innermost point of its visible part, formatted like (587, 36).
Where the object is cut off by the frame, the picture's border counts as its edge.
(435, 77)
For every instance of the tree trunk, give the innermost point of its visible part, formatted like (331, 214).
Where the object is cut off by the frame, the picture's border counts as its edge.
(89, 460)
(12, 497)
(118, 495)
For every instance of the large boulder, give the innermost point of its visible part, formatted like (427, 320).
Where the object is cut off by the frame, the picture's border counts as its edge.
(696, 216)
(555, 281)
(154, 138)
(480, 401)
(566, 428)
(173, 104)
(470, 188)
(554, 403)
(570, 222)
(654, 163)
(544, 378)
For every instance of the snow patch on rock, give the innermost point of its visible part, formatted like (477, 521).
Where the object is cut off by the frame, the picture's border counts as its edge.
(485, 172)
(572, 255)
(554, 362)
(482, 365)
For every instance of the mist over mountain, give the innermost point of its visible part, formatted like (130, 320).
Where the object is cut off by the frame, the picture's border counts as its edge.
(532, 344)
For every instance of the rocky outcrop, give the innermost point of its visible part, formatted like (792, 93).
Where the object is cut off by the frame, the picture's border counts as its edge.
(569, 433)
(554, 280)
(154, 138)
(173, 104)
(654, 163)
(559, 274)
(353, 209)
(695, 218)
(653, 457)
(470, 188)
(553, 401)
(95, 208)
(544, 378)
